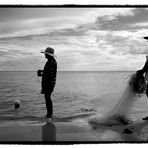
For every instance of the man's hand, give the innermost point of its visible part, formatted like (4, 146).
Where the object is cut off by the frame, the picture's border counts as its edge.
(40, 73)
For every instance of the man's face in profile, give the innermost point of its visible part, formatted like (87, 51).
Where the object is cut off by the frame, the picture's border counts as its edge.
(46, 55)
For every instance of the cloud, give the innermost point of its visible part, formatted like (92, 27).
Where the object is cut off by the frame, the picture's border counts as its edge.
(46, 24)
(141, 24)
(122, 22)
(35, 26)
(107, 41)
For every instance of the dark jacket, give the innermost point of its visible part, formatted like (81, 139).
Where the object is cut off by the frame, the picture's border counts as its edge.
(49, 76)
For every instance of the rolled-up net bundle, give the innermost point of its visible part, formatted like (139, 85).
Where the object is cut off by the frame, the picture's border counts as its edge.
(119, 114)
(137, 82)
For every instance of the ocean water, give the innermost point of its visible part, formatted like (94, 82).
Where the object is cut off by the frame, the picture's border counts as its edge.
(76, 95)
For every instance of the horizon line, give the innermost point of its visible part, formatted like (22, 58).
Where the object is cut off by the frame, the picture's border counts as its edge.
(68, 70)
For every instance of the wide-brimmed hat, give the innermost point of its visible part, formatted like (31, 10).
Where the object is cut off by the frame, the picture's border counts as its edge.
(49, 51)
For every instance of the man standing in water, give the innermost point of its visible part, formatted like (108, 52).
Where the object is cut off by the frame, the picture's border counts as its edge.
(48, 75)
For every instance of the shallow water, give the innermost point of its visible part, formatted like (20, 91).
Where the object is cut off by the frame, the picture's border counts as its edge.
(76, 95)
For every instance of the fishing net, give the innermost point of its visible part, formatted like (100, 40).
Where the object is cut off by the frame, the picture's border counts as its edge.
(137, 82)
(119, 114)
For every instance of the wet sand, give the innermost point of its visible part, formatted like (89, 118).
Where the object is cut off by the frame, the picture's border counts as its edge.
(73, 132)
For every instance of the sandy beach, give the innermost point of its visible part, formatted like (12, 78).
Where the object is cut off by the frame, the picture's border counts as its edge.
(73, 132)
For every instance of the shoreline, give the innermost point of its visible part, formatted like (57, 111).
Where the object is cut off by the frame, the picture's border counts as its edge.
(71, 132)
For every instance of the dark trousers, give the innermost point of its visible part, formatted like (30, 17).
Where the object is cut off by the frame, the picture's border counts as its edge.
(49, 105)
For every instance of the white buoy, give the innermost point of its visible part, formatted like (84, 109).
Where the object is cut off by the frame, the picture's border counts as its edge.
(17, 104)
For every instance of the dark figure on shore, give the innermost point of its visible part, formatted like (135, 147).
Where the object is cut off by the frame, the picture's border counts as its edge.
(48, 75)
(144, 71)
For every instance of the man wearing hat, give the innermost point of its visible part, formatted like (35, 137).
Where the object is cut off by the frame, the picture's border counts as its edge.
(48, 75)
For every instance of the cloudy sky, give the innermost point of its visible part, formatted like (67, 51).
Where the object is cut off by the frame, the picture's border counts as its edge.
(84, 39)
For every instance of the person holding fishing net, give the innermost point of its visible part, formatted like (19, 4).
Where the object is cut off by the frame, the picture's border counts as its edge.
(48, 75)
(137, 85)
(144, 71)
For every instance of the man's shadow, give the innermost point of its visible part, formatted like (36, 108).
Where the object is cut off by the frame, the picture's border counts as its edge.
(48, 132)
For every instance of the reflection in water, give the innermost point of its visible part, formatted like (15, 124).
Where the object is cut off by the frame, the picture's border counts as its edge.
(49, 132)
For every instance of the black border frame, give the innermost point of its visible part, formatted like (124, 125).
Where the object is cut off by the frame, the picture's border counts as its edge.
(71, 6)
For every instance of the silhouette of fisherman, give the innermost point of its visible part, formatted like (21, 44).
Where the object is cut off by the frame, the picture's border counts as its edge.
(48, 75)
